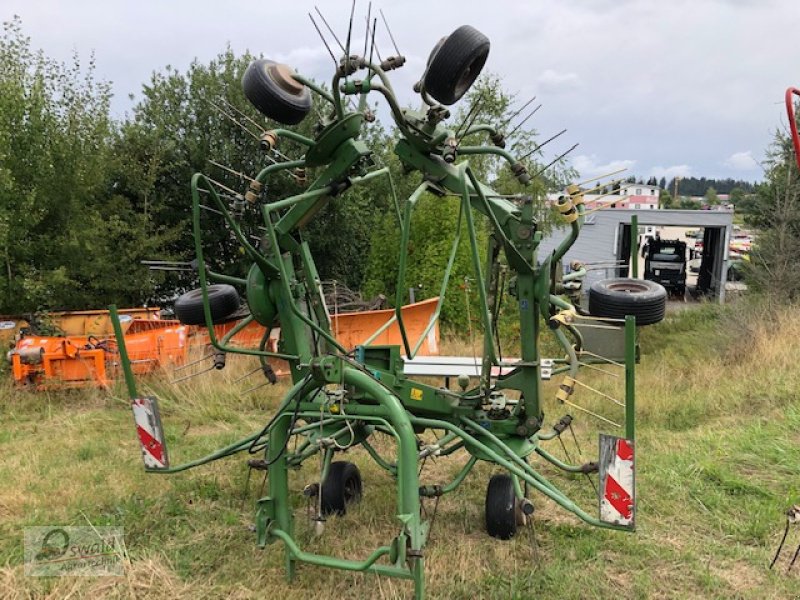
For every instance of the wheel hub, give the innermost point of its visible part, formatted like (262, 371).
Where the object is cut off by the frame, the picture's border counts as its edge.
(629, 286)
(284, 77)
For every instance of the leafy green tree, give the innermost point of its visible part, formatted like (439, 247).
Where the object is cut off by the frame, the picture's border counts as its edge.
(433, 227)
(711, 196)
(177, 127)
(744, 203)
(689, 204)
(774, 266)
(65, 234)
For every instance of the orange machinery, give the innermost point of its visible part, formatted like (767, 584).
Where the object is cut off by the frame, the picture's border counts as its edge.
(87, 354)
(80, 360)
(78, 322)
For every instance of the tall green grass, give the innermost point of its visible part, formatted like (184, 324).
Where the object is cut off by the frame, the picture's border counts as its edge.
(718, 454)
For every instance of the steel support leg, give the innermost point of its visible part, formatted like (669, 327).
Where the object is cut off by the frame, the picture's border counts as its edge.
(279, 482)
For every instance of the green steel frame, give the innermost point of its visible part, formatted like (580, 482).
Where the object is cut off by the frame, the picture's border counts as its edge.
(284, 288)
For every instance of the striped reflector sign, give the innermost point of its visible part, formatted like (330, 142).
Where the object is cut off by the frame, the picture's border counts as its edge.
(617, 481)
(150, 432)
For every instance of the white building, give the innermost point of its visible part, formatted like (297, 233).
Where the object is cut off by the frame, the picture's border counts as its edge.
(631, 196)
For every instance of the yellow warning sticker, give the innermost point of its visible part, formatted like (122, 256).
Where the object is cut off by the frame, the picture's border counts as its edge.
(416, 394)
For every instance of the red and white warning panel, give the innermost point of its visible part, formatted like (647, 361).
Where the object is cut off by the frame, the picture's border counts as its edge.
(150, 432)
(617, 481)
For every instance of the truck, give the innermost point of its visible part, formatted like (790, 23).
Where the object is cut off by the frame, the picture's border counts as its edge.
(665, 263)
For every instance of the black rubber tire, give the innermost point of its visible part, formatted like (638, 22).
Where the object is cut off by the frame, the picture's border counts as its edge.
(619, 297)
(435, 50)
(341, 487)
(456, 64)
(501, 507)
(287, 103)
(223, 300)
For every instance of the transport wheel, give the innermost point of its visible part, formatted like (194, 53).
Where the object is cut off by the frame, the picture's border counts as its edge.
(619, 297)
(342, 486)
(501, 503)
(223, 300)
(455, 64)
(273, 90)
(435, 50)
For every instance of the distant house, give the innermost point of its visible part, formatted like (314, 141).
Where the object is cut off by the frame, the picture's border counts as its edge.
(640, 196)
(630, 196)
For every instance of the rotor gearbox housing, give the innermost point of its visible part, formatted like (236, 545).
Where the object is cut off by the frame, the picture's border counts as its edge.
(260, 297)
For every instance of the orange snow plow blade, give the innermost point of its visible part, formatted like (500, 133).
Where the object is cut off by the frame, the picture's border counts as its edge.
(353, 329)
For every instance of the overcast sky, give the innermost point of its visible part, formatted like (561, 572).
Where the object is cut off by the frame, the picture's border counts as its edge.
(687, 87)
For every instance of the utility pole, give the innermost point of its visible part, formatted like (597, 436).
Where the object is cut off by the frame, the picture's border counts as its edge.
(677, 179)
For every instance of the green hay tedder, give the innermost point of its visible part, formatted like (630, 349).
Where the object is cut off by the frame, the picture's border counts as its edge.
(340, 398)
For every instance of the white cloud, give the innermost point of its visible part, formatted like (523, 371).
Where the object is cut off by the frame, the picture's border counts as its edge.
(670, 172)
(553, 81)
(741, 161)
(588, 166)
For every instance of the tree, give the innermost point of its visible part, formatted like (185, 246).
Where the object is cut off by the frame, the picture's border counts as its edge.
(433, 227)
(774, 266)
(662, 183)
(711, 197)
(689, 204)
(65, 234)
(744, 203)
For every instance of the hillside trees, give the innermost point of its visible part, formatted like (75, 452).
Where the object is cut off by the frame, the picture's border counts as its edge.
(177, 127)
(697, 186)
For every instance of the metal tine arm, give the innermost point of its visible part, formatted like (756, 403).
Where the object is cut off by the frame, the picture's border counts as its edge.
(231, 171)
(194, 362)
(185, 377)
(521, 123)
(391, 37)
(322, 37)
(233, 119)
(554, 161)
(516, 112)
(543, 144)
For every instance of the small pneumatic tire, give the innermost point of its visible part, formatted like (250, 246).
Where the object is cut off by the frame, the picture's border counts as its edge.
(342, 486)
(223, 300)
(455, 63)
(501, 507)
(273, 90)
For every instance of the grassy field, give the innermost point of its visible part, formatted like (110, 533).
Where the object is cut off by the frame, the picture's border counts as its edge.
(718, 453)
